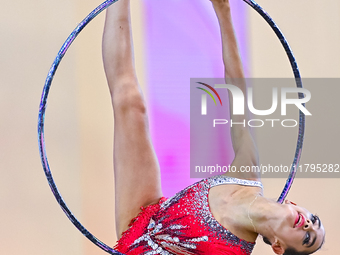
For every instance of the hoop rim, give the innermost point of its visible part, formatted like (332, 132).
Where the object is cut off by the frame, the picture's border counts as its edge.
(48, 82)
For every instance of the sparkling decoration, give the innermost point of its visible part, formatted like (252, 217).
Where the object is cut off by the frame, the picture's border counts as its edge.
(41, 121)
(184, 224)
(298, 82)
(214, 225)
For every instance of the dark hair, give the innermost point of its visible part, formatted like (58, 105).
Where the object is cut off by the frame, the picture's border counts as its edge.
(288, 251)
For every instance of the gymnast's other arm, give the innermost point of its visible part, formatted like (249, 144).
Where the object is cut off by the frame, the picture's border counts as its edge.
(243, 142)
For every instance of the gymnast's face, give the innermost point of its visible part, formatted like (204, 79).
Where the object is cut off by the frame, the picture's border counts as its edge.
(299, 229)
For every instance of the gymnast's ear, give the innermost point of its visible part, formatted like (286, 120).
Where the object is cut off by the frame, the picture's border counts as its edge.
(277, 247)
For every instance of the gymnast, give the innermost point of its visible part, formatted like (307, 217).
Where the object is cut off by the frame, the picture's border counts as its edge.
(219, 215)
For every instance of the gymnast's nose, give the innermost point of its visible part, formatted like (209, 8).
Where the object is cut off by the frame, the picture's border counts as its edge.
(308, 224)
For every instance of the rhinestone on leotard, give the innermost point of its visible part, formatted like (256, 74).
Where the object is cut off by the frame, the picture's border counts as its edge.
(184, 224)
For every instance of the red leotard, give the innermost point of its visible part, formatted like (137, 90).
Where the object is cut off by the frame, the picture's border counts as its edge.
(184, 224)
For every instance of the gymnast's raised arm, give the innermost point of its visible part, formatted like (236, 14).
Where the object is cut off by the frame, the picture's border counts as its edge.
(243, 143)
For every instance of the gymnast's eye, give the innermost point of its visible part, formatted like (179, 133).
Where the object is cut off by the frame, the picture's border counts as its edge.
(314, 218)
(307, 238)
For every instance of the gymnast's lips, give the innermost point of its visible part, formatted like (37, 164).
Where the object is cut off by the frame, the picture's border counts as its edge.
(299, 221)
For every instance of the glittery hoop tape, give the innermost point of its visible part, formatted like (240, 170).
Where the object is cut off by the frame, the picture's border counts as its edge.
(298, 81)
(41, 120)
(48, 82)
